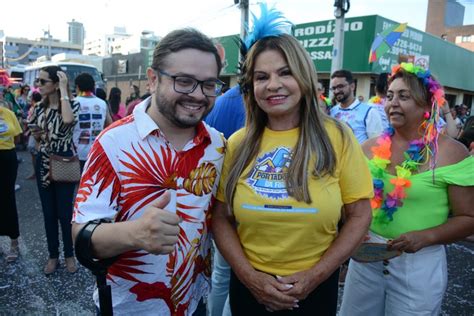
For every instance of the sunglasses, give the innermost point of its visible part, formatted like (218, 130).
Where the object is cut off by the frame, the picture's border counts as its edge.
(43, 81)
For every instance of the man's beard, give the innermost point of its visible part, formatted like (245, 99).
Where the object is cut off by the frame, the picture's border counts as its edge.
(169, 110)
(341, 98)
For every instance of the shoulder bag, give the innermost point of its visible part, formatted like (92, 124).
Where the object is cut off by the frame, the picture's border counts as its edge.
(64, 168)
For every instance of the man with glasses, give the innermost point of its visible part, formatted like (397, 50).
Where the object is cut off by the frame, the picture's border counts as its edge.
(153, 175)
(363, 119)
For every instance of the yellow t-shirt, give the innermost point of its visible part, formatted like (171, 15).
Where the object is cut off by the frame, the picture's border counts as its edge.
(280, 235)
(9, 128)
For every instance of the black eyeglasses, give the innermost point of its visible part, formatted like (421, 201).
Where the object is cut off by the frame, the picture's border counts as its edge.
(43, 81)
(186, 84)
(339, 87)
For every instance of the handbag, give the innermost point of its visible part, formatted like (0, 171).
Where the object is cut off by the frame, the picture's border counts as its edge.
(64, 169)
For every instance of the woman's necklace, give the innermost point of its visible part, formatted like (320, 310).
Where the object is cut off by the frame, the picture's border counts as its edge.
(381, 159)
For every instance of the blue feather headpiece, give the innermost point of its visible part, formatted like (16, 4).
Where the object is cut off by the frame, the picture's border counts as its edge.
(271, 23)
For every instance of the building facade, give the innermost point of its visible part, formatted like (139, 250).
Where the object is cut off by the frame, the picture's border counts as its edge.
(24, 51)
(445, 19)
(76, 33)
(105, 45)
(121, 43)
(451, 64)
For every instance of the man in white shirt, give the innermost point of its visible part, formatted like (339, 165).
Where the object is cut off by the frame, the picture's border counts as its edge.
(93, 116)
(154, 175)
(364, 120)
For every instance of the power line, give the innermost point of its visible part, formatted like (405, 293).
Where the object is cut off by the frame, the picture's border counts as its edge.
(208, 18)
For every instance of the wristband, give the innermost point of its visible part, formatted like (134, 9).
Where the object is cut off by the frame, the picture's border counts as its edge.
(83, 249)
(65, 98)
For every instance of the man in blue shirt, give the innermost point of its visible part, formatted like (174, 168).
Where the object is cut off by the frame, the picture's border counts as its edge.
(227, 116)
(364, 120)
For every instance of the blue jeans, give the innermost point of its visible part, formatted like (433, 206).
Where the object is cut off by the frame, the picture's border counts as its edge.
(218, 301)
(56, 200)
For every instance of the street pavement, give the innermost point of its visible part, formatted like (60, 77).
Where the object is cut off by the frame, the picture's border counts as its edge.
(25, 290)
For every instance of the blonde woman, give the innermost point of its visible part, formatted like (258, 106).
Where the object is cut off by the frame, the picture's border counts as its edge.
(286, 175)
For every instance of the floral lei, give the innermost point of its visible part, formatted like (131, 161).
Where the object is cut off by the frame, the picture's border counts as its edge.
(418, 150)
(381, 158)
(326, 101)
(85, 94)
(376, 100)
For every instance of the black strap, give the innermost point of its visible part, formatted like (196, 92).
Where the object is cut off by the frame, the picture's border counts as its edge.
(83, 248)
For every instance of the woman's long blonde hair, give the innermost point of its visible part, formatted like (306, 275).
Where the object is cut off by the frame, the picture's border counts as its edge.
(313, 140)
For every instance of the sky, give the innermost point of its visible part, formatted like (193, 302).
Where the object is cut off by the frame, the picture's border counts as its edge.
(213, 17)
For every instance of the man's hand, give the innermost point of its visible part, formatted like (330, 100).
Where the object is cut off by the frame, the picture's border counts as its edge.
(156, 231)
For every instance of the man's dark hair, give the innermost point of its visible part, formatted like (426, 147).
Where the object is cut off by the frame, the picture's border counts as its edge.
(381, 85)
(342, 73)
(100, 93)
(115, 97)
(85, 82)
(183, 39)
(467, 134)
(36, 96)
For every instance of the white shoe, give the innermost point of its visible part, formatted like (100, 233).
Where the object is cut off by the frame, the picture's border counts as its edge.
(17, 187)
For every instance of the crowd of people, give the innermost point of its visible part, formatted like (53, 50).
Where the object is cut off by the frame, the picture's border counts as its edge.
(286, 185)
(48, 120)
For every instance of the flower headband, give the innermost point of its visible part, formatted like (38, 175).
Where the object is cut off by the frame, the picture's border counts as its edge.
(433, 86)
(431, 127)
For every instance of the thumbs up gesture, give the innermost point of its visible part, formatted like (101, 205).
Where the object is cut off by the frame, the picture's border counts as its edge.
(157, 229)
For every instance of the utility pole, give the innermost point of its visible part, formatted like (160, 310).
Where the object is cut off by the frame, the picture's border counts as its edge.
(49, 44)
(48, 34)
(244, 23)
(244, 16)
(341, 8)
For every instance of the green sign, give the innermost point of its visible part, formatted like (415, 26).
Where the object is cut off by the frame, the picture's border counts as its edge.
(451, 64)
(318, 39)
(229, 51)
(409, 44)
